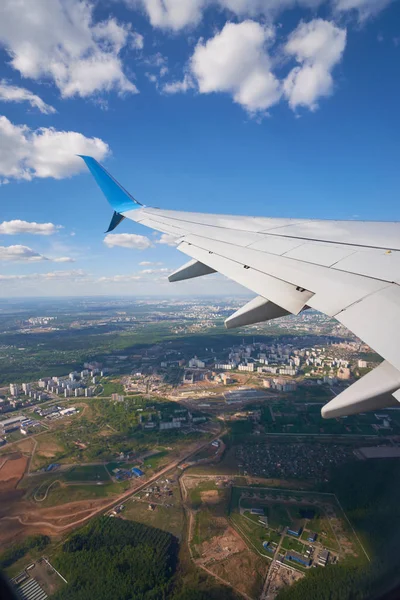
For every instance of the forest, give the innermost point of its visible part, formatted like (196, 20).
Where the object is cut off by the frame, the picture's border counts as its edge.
(114, 558)
(17, 551)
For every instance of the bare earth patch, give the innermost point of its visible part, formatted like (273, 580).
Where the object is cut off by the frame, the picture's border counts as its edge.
(244, 571)
(12, 470)
(210, 497)
(221, 546)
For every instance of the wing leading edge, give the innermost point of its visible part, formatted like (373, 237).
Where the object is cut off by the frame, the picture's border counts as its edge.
(346, 269)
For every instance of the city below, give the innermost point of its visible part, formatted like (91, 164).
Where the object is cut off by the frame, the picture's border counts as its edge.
(150, 413)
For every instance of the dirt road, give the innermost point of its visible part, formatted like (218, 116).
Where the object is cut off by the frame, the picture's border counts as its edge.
(60, 519)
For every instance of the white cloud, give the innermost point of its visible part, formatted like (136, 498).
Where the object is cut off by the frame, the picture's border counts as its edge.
(44, 152)
(64, 259)
(58, 40)
(20, 253)
(13, 93)
(364, 8)
(169, 240)
(17, 226)
(120, 279)
(137, 41)
(51, 276)
(154, 271)
(171, 14)
(317, 46)
(149, 263)
(127, 240)
(178, 14)
(236, 61)
(143, 276)
(175, 87)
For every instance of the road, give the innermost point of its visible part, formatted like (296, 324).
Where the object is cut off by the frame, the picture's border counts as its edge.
(271, 568)
(126, 495)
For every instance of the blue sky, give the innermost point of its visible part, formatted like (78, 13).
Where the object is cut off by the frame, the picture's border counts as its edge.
(270, 108)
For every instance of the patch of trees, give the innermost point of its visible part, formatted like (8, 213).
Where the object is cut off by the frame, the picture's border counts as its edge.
(118, 559)
(33, 542)
(330, 583)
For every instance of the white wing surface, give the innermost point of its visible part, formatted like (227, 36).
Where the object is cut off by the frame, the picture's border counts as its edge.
(349, 270)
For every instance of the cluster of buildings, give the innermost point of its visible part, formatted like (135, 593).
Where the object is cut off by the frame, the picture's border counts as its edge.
(40, 320)
(74, 385)
(331, 363)
(20, 422)
(124, 474)
(280, 384)
(56, 412)
(21, 395)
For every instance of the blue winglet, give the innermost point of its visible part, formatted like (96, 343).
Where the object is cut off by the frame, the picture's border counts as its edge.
(117, 196)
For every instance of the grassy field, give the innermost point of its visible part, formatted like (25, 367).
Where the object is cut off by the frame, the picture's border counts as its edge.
(87, 473)
(111, 387)
(291, 543)
(227, 465)
(253, 533)
(155, 460)
(166, 518)
(195, 493)
(62, 493)
(206, 526)
(49, 449)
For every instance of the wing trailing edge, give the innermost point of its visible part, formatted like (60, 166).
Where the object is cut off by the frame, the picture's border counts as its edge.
(257, 310)
(191, 269)
(374, 391)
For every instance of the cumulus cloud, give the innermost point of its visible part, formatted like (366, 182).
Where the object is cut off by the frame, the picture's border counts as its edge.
(20, 253)
(13, 93)
(179, 14)
(44, 152)
(317, 46)
(235, 61)
(59, 40)
(154, 271)
(127, 240)
(167, 239)
(16, 226)
(171, 14)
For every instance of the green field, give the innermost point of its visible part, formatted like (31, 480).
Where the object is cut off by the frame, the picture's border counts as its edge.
(62, 494)
(195, 493)
(87, 473)
(169, 518)
(253, 533)
(291, 543)
(205, 526)
(154, 461)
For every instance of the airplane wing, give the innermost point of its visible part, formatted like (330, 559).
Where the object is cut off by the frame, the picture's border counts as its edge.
(349, 270)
